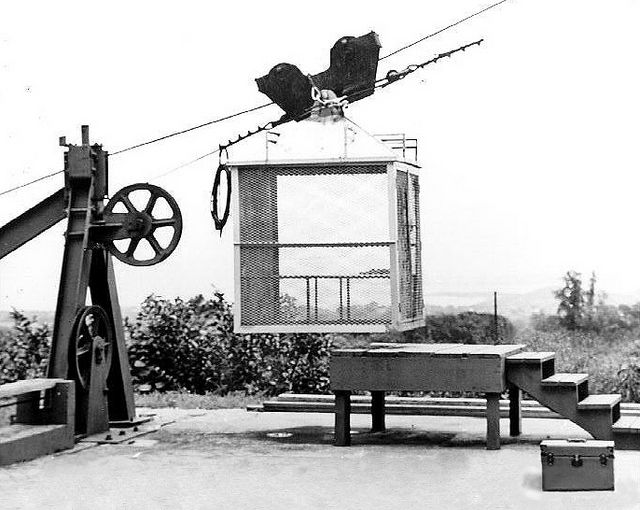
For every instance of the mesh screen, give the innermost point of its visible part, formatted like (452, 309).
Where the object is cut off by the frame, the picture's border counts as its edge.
(314, 245)
(409, 246)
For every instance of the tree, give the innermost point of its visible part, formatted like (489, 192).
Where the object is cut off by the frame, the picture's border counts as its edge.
(572, 301)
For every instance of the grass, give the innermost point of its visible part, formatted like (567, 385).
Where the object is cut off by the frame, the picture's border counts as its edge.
(185, 400)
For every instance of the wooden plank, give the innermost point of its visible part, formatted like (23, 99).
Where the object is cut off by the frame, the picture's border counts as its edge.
(417, 401)
(17, 388)
(530, 357)
(416, 348)
(498, 350)
(627, 424)
(394, 350)
(417, 373)
(564, 379)
(358, 407)
(602, 401)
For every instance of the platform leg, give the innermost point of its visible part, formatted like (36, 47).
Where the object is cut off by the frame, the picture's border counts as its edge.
(377, 411)
(343, 418)
(515, 410)
(493, 421)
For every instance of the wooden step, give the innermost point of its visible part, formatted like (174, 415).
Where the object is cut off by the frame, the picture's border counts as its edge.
(626, 433)
(17, 388)
(605, 401)
(627, 423)
(530, 357)
(564, 380)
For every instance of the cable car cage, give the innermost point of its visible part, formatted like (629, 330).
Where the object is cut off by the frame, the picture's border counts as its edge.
(329, 243)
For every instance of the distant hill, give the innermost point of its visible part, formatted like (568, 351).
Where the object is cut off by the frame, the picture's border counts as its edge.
(48, 315)
(514, 306)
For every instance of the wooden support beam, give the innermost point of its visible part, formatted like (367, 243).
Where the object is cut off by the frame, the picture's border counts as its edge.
(377, 411)
(515, 410)
(343, 418)
(493, 421)
(32, 223)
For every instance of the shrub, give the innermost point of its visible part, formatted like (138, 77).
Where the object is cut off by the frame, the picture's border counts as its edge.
(24, 350)
(628, 381)
(190, 345)
(467, 327)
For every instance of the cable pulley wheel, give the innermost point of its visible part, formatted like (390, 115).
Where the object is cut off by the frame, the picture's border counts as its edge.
(220, 222)
(139, 224)
(91, 339)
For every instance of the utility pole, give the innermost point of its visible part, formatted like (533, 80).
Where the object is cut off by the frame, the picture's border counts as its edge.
(495, 318)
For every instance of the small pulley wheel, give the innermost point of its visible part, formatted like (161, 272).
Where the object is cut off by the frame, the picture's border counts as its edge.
(139, 224)
(91, 339)
(221, 221)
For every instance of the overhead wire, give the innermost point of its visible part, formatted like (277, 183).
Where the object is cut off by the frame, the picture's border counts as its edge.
(382, 82)
(30, 182)
(443, 29)
(215, 121)
(176, 133)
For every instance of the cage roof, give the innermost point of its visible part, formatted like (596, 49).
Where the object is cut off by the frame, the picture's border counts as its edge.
(318, 139)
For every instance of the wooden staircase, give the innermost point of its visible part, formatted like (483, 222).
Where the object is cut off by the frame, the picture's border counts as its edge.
(568, 395)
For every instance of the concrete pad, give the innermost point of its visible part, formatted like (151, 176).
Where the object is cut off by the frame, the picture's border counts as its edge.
(225, 459)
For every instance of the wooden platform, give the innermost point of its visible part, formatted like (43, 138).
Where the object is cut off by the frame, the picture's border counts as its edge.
(420, 367)
(37, 429)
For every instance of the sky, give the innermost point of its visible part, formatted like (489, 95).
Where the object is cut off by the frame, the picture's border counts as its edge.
(528, 143)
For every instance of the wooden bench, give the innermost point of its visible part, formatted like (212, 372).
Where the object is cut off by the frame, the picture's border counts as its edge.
(421, 367)
(44, 421)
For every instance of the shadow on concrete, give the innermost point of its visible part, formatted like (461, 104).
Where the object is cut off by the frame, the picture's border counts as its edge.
(312, 435)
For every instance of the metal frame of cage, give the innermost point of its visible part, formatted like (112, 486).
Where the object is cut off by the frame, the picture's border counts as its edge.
(404, 275)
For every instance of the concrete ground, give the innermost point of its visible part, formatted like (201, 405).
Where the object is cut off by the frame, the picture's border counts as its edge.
(232, 459)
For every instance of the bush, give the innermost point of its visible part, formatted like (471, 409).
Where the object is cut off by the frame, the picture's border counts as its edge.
(467, 328)
(190, 345)
(24, 350)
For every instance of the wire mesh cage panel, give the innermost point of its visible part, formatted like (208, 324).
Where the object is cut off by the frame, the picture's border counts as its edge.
(409, 247)
(316, 247)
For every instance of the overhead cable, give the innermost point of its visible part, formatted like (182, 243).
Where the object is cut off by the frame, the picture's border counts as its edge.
(391, 77)
(30, 182)
(176, 133)
(443, 29)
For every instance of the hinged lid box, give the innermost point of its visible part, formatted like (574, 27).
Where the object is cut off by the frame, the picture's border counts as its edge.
(577, 465)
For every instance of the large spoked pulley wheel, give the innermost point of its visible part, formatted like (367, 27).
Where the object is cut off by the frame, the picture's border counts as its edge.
(91, 339)
(140, 223)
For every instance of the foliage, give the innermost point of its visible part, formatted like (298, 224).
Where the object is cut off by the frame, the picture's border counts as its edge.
(579, 310)
(24, 350)
(467, 327)
(571, 309)
(190, 345)
(628, 378)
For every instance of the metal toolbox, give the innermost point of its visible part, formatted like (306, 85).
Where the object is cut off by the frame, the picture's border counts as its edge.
(577, 465)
